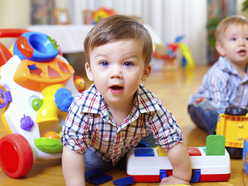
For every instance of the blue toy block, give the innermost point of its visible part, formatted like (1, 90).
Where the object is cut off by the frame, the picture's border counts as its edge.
(97, 177)
(195, 176)
(245, 155)
(124, 181)
(144, 152)
(162, 174)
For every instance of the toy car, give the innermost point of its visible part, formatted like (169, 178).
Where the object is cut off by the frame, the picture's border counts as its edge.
(233, 124)
(36, 89)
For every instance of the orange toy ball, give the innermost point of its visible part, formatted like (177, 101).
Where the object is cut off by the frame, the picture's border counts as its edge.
(52, 135)
(79, 83)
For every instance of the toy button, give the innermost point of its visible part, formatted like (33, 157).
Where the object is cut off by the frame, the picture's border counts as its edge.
(144, 152)
(5, 98)
(24, 47)
(193, 151)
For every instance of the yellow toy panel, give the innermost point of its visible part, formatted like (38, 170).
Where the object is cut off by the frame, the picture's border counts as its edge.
(234, 128)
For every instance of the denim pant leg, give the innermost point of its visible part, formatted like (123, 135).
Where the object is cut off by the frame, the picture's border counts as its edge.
(93, 161)
(204, 115)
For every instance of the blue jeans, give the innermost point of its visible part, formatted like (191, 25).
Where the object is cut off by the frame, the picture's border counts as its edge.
(204, 115)
(93, 161)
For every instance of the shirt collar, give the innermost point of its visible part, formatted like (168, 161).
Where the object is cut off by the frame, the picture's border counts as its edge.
(93, 102)
(226, 66)
(144, 101)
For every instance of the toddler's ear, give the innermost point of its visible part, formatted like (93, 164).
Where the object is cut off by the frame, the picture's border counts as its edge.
(220, 48)
(147, 72)
(88, 71)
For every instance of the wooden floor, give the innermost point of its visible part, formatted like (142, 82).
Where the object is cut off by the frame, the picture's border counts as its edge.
(173, 88)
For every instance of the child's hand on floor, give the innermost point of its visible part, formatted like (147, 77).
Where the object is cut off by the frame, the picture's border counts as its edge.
(171, 180)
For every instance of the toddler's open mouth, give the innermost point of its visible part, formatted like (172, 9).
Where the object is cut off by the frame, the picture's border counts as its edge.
(116, 89)
(242, 52)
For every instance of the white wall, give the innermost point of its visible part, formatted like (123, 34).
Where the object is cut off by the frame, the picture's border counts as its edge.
(14, 14)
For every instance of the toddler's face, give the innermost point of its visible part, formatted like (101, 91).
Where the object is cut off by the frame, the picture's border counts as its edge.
(117, 69)
(235, 44)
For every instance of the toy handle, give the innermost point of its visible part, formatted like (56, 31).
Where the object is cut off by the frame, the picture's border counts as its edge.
(12, 32)
(5, 55)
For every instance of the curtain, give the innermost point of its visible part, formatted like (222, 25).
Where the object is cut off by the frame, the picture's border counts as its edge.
(168, 18)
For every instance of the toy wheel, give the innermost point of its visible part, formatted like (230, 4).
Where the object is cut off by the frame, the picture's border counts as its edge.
(239, 111)
(16, 156)
(235, 153)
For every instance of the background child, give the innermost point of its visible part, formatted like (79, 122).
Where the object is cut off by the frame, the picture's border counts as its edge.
(226, 82)
(116, 112)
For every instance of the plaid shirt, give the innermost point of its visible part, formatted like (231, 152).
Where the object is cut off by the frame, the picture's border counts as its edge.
(89, 124)
(223, 86)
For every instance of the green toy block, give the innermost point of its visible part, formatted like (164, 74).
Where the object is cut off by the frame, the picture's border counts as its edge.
(215, 145)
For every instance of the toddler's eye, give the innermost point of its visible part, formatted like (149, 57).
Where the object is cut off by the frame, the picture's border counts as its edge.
(233, 39)
(104, 63)
(246, 38)
(128, 64)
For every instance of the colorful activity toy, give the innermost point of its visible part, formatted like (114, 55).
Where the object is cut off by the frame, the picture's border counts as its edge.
(36, 90)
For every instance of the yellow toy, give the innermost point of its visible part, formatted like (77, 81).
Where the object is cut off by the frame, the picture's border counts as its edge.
(102, 13)
(233, 124)
(189, 64)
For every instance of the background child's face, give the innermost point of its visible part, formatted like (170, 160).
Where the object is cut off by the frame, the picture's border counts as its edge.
(117, 69)
(234, 44)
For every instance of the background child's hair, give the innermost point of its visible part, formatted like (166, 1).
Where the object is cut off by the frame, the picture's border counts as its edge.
(115, 28)
(231, 20)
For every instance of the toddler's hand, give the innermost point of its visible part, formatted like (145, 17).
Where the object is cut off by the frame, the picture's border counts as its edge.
(171, 180)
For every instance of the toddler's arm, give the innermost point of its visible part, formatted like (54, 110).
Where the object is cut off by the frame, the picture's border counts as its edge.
(180, 161)
(73, 165)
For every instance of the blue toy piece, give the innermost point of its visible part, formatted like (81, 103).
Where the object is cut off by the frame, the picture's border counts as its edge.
(245, 155)
(179, 38)
(124, 181)
(195, 176)
(36, 47)
(63, 99)
(162, 174)
(97, 177)
(144, 152)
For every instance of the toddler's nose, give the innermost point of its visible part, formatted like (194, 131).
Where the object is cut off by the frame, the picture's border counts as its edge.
(116, 72)
(241, 41)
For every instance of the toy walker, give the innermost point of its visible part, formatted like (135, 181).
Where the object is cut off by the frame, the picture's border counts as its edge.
(36, 90)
